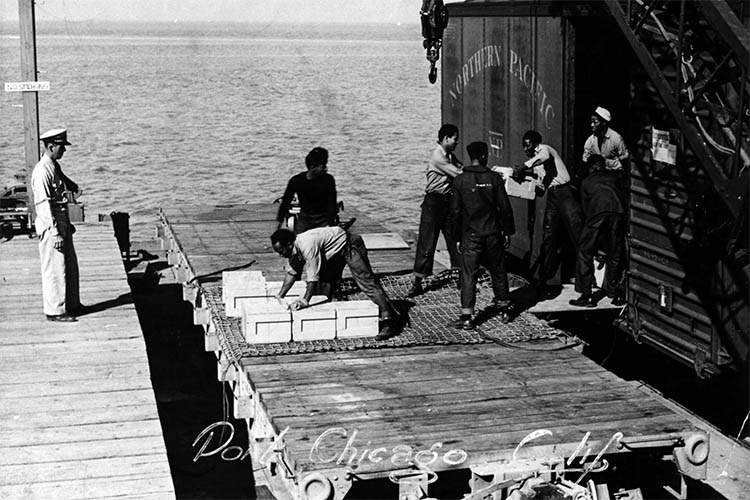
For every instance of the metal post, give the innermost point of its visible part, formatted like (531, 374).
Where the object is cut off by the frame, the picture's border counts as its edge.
(27, 24)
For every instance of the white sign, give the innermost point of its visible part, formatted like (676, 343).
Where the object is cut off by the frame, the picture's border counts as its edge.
(26, 86)
(661, 149)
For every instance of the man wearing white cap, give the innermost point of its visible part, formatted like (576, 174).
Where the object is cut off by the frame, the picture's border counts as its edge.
(605, 142)
(58, 256)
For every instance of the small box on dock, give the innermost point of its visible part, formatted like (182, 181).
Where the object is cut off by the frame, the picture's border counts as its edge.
(316, 322)
(75, 212)
(242, 283)
(356, 318)
(266, 320)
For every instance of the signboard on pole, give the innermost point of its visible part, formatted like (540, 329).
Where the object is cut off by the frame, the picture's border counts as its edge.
(26, 86)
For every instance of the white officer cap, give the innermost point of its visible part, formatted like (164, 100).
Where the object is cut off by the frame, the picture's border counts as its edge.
(55, 136)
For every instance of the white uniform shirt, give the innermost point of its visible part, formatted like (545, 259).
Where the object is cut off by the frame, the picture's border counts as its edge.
(48, 188)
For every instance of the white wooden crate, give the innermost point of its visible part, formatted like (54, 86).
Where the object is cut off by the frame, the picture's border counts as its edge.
(298, 288)
(241, 283)
(356, 318)
(266, 319)
(316, 322)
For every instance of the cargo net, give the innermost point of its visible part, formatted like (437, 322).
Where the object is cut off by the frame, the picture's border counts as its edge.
(425, 319)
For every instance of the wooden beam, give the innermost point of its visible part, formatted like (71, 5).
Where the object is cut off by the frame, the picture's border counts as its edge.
(27, 24)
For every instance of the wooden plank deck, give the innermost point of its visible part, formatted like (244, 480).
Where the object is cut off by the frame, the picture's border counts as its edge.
(216, 238)
(78, 417)
(482, 399)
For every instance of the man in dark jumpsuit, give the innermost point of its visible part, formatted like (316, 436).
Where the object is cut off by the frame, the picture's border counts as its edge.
(604, 208)
(482, 220)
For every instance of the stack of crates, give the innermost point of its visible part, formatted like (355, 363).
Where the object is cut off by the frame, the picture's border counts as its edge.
(265, 319)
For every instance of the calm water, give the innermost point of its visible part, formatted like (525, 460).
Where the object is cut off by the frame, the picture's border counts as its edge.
(203, 114)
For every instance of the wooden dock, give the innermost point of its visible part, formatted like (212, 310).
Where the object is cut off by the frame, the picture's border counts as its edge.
(78, 417)
(324, 419)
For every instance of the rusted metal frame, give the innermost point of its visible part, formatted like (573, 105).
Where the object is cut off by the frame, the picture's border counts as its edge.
(701, 151)
(738, 126)
(495, 487)
(649, 8)
(630, 10)
(729, 27)
(680, 52)
(707, 83)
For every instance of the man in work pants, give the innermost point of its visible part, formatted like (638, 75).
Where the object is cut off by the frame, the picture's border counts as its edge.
(442, 168)
(604, 204)
(322, 253)
(562, 213)
(482, 220)
(58, 256)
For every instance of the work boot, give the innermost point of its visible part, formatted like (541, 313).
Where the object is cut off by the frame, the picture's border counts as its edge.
(415, 289)
(585, 300)
(463, 323)
(386, 332)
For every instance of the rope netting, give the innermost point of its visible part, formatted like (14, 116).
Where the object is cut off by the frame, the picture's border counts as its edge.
(426, 319)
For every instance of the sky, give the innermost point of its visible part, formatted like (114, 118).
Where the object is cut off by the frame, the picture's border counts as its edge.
(338, 11)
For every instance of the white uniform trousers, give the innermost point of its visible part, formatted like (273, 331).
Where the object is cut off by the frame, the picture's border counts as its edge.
(59, 274)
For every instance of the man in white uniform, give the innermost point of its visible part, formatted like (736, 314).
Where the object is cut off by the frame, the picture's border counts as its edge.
(605, 142)
(58, 256)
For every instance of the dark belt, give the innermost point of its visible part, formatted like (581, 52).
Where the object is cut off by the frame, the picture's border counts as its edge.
(439, 195)
(559, 186)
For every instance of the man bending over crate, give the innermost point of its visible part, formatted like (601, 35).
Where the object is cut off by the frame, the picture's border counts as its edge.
(322, 254)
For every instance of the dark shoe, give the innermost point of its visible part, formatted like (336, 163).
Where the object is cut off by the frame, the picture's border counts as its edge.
(583, 301)
(64, 318)
(385, 333)
(500, 303)
(463, 324)
(416, 289)
(507, 313)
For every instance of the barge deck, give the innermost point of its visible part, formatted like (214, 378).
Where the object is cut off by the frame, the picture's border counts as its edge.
(327, 416)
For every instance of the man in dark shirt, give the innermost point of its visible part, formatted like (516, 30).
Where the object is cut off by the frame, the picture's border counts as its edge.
(482, 221)
(604, 208)
(316, 193)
